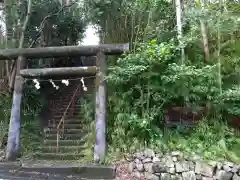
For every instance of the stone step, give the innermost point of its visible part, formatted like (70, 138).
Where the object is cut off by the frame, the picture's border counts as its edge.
(63, 142)
(68, 115)
(58, 156)
(75, 117)
(71, 113)
(62, 149)
(69, 169)
(68, 123)
(65, 101)
(67, 98)
(63, 104)
(66, 136)
(27, 175)
(59, 98)
(67, 126)
(75, 120)
(69, 93)
(66, 131)
(62, 107)
(68, 120)
(56, 112)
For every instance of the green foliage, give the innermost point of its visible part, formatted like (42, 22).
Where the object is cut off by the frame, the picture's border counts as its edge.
(146, 62)
(211, 139)
(131, 20)
(63, 27)
(3, 133)
(31, 105)
(87, 112)
(31, 134)
(50, 24)
(196, 85)
(145, 83)
(138, 105)
(31, 101)
(229, 101)
(5, 107)
(148, 80)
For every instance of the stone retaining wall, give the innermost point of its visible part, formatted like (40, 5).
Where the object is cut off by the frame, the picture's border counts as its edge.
(175, 166)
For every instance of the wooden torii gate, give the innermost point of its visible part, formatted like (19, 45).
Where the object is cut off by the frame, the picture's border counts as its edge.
(100, 51)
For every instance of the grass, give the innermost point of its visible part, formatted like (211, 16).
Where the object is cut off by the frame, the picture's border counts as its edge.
(212, 140)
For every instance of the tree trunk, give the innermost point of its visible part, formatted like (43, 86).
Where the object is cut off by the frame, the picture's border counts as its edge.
(204, 35)
(7, 69)
(205, 40)
(179, 28)
(12, 77)
(9, 24)
(100, 110)
(219, 77)
(13, 144)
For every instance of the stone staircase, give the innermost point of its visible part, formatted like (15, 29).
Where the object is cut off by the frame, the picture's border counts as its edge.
(71, 141)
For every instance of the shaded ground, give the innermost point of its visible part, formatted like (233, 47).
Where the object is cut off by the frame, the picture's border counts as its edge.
(122, 174)
(12, 171)
(8, 173)
(11, 175)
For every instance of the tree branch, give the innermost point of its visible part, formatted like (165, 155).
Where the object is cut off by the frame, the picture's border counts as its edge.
(224, 45)
(46, 18)
(13, 69)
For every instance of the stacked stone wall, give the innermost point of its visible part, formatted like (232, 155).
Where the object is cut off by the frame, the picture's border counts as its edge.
(175, 166)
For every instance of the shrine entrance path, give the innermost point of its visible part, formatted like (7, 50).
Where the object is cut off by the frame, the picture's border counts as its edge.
(53, 170)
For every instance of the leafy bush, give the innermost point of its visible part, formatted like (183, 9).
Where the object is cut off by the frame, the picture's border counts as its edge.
(31, 105)
(229, 101)
(136, 102)
(210, 138)
(195, 86)
(146, 82)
